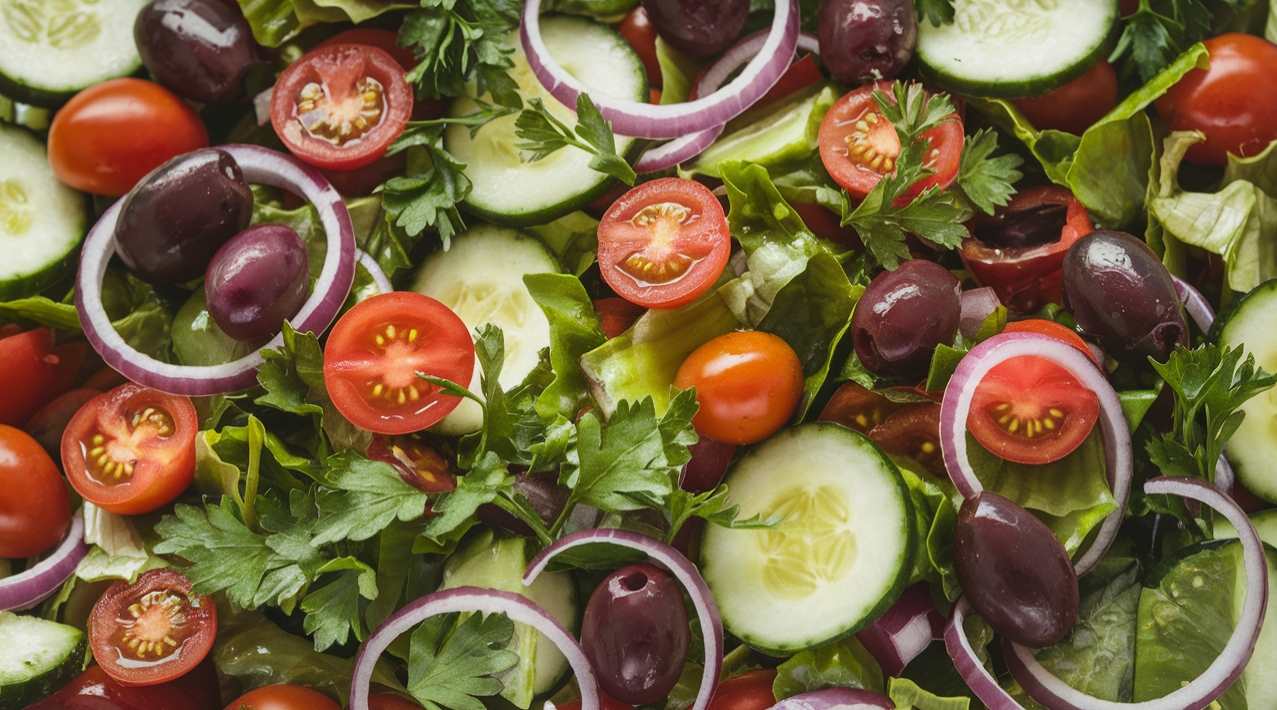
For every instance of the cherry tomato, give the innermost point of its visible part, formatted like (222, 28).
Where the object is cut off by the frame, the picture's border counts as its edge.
(1032, 411)
(857, 407)
(284, 697)
(749, 691)
(800, 75)
(132, 449)
(109, 136)
(28, 368)
(48, 424)
(747, 383)
(340, 106)
(1077, 105)
(606, 702)
(153, 630)
(858, 146)
(664, 243)
(35, 509)
(388, 42)
(616, 315)
(419, 464)
(638, 30)
(1052, 329)
(377, 348)
(1019, 251)
(95, 690)
(1232, 102)
(913, 432)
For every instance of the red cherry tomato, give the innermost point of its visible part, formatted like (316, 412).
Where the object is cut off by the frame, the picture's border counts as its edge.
(616, 315)
(800, 75)
(109, 136)
(747, 383)
(664, 243)
(419, 463)
(1032, 411)
(913, 432)
(153, 630)
(284, 697)
(34, 507)
(95, 690)
(606, 702)
(388, 42)
(48, 424)
(1019, 251)
(749, 691)
(1232, 102)
(1077, 105)
(339, 107)
(637, 29)
(132, 449)
(1052, 329)
(28, 369)
(377, 348)
(858, 146)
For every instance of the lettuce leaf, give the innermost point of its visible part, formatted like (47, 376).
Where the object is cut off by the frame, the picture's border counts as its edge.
(784, 132)
(573, 239)
(908, 695)
(276, 21)
(841, 664)
(574, 331)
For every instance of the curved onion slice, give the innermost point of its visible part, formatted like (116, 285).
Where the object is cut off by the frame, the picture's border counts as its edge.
(1117, 437)
(470, 599)
(903, 631)
(1050, 691)
(667, 155)
(374, 271)
(1198, 309)
(643, 120)
(32, 586)
(837, 699)
(261, 166)
(968, 664)
(977, 305)
(680, 567)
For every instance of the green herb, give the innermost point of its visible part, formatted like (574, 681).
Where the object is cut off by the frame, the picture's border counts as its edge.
(987, 183)
(332, 610)
(426, 197)
(937, 12)
(712, 507)
(1160, 30)
(451, 666)
(543, 134)
(360, 498)
(456, 40)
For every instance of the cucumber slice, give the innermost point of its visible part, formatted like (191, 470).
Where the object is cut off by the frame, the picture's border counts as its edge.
(36, 658)
(1261, 687)
(41, 220)
(1008, 50)
(492, 562)
(506, 189)
(50, 49)
(840, 557)
(1253, 448)
(480, 277)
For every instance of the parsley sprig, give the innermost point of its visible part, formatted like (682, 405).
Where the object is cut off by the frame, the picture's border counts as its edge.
(457, 40)
(451, 665)
(543, 134)
(987, 182)
(1161, 30)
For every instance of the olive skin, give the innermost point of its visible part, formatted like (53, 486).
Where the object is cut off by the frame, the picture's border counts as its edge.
(866, 40)
(1014, 571)
(199, 49)
(257, 280)
(701, 28)
(903, 315)
(178, 216)
(1121, 294)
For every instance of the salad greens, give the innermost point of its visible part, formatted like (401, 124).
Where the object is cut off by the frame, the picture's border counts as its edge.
(543, 134)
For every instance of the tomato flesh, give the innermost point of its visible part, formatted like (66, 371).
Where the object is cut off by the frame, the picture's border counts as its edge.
(748, 385)
(34, 508)
(1030, 410)
(1077, 105)
(913, 432)
(1052, 329)
(153, 630)
(748, 691)
(284, 697)
(420, 464)
(28, 368)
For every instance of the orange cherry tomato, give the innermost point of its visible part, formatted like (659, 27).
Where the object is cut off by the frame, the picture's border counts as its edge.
(748, 385)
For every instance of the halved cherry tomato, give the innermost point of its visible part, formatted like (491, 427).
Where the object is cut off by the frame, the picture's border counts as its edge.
(375, 352)
(339, 107)
(28, 368)
(109, 136)
(1052, 329)
(638, 30)
(747, 383)
(1030, 410)
(857, 407)
(616, 315)
(34, 507)
(284, 697)
(388, 41)
(859, 147)
(1018, 252)
(664, 243)
(748, 691)
(913, 432)
(95, 690)
(1077, 105)
(419, 463)
(153, 630)
(132, 449)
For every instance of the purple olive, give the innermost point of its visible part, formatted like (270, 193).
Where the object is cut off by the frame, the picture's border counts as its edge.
(699, 27)
(257, 280)
(903, 316)
(200, 49)
(866, 40)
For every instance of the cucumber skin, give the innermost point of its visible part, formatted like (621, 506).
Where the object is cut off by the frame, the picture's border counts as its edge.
(45, 98)
(16, 696)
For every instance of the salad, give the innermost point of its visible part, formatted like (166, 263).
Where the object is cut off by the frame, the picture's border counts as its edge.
(683, 354)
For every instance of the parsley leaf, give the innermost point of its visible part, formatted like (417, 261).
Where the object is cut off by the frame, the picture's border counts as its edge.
(332, 611)
(937, 12)
(1160, 30)
(360, 497)
(456, 40)
(451, 666)
(426, 197)
(543, 134)
(987, 183)
(712, 506)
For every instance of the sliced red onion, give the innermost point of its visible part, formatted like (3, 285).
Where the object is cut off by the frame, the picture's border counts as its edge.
(1055, 694)
(977, 305)
(956, 406)
(35, 584)
(470, 599)
(261, 106)
(837, 699)
(1224, 477)
(374, 270)
(668, 155)
(968, 664)
(1198, 309)
(680, 567)
(904, 631)
(261, 166)
(644, 120)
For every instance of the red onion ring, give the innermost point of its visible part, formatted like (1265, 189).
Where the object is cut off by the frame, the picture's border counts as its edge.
(1050, 691)
(1195, 304)
(470, 599)
(374, 271)
(35, 584)
(968, 664)
(837, 699)
(668, 155)
(262, 166)
(644, 120)
(977, 305)
(903, 631)
(680, 567)
(956, 405)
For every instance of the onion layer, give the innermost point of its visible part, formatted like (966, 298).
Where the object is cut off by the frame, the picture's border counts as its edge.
(956, 406)
(35, 584)
(904, 631)
(470, 599)
(680, 567)
(977, 305)
(261, 166)
(837, 699)
(968, 664)
(374, 271)
(1198, 309)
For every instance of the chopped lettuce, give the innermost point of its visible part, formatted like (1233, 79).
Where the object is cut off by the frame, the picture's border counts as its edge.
(908, 695)
(573, 239)
(841, 664)
(679, 71)
(276, 21)
(574, 331)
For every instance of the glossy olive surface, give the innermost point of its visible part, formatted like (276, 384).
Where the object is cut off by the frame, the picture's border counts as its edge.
(199, 49)
(699, 27)
(1014, 571)
(635, 633)
(176, 219)
(1122, 295)
(257, 280)
(903, 315)
(866, 40)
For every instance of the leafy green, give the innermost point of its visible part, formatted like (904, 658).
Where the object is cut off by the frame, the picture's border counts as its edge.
(543, 134)
(574, 331)
(573, 239)
(450, 665)
(332, 610)
(778, 133)
(935, 518)
(361, 498)
(274, 22)
(139, 314)
(426, 197)
(38, 310)
(1159, 30)
(937, 12)
(456, 40)
(679, 72)
(987, 182)
(841, 664)
(908, 695)
(712, 507)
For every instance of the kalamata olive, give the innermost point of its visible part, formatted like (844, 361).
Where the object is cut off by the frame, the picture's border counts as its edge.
(1120, 294)
(635, 633)
(866, 40)
(200, 49)
(177, 217)
(257, 281)
(903, 316)
(543, 493)
(709, 462)
(1014, 571)
(699, 27)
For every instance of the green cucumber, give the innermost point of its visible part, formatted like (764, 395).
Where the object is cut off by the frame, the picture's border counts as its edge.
(1248, 324)
(36, 658)
(840, 556)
